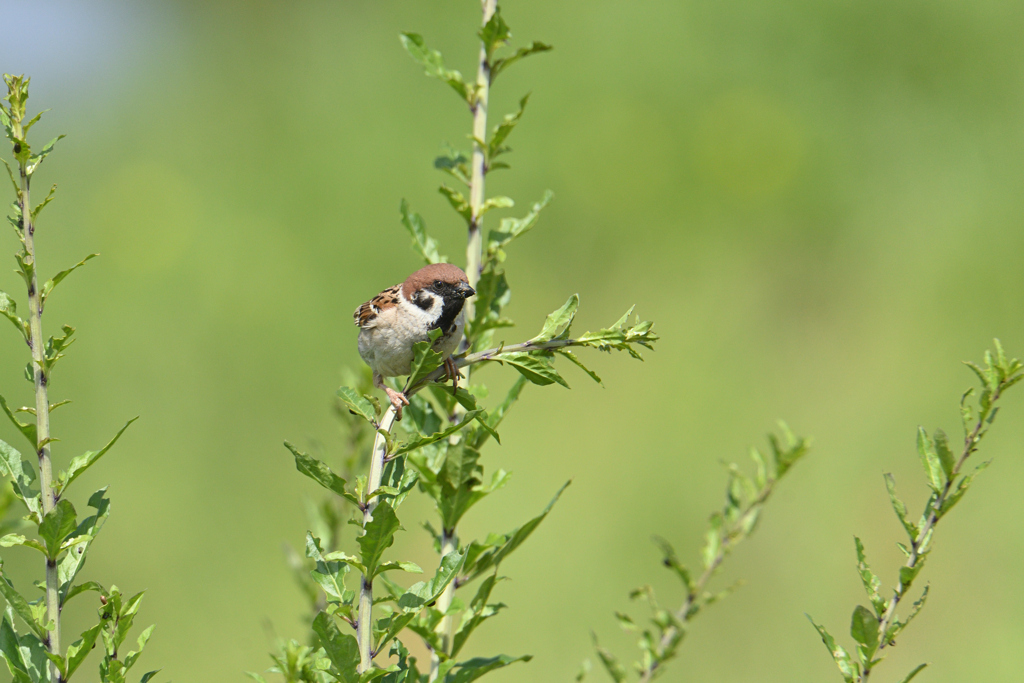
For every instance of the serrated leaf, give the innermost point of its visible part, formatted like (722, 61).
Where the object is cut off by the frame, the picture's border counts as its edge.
(27, 430)
(422, 243)
(458, 202)
(494, 33)
(72, 562)
(57, 524)
(19, 605)
(433, 65)
(946, 457)
(558, 322)
(872, 584)
(358, 404)
(9, 310)
(379, 534)
(841, 657)
(533, 368)
(83, 462)
(342, 649)
(425, 359)
(22, 476)
(426, 592)
(512, 228)
(409, 446)
(36, 159)
(500, 65)
(11, 540)
(502, 131)
(329, 575)
(473, 669)
(900, 508)
(929, 459)
(79, 650)
(321, 474)
(59, 277)
(493, 557)
(578, 363)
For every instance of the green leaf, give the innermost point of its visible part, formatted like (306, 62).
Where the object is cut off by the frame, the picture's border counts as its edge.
(422, 243)
(671, 560)
(83, 462)
(341, 649)
(57, 525)
(378, 536)
(847, 668)
(9, 310)
(557, 324)
(512, 228)
(534, 368)
(458, 202)
(11, 540)
(900, 508)
(409, 446)
(492, 558)
(329, 575)
(913, 673)
(575, 360)
(473, 669)
(72, 562)
(864, 629)
(27, 430)
(503, 130)
(358, 404)
(496, 203)
(500, 65)
(494, 33)
(433, 65)
(83, 588)
(19, 605)
(36, 159)
(455, 164)
(930, 460)
(946, 456)
(321, 474)
(79, 650)
(12, 653)
(872, 584)
(22, 476)
(610, 662)
(426, 592)
(478, 613)
(56, 279)
(46, 200)
(965, 483)
(425, 359)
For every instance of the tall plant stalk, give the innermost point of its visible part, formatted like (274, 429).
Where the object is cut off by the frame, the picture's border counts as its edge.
(61, 539)
(39, 378)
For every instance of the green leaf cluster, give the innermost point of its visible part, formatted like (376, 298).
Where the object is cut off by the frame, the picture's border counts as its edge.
(745, 497)
(875, 628)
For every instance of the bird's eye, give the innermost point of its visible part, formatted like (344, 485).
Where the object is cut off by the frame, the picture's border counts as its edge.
(437, 284)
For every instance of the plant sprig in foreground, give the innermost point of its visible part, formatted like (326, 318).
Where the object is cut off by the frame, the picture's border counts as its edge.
(876, 628)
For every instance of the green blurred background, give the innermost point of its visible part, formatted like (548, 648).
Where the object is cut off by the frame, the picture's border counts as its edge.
(819, 203)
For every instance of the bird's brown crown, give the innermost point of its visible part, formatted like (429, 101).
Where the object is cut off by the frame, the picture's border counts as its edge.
(427, 275)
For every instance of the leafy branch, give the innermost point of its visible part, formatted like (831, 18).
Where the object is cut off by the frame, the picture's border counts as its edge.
(877, 628)
(745, 497)
(60, 537)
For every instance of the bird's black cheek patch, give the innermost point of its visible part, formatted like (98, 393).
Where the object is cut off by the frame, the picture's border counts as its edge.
(423, 301)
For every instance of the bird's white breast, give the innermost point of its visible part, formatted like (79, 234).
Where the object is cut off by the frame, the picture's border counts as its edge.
(387, 346)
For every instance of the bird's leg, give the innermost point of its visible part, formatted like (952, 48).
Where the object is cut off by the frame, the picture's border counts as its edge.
(397, 398)
(452, 373)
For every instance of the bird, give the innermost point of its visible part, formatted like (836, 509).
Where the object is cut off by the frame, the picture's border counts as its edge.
(390, 323)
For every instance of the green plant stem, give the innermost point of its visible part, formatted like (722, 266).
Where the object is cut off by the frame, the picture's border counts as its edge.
(920, 543)
(683, 614)
(364, 624)
(492, 355)
(474, 245)
(449, 543)
(35, 305)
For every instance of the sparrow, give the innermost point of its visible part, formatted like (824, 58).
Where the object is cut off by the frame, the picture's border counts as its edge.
(390, 323)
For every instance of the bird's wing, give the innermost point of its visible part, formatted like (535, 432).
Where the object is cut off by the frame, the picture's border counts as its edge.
(366, 315)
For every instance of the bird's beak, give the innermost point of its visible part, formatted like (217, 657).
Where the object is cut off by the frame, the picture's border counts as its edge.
(466, 290)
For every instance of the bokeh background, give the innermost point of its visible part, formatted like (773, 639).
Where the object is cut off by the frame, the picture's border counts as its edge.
(819, 203)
